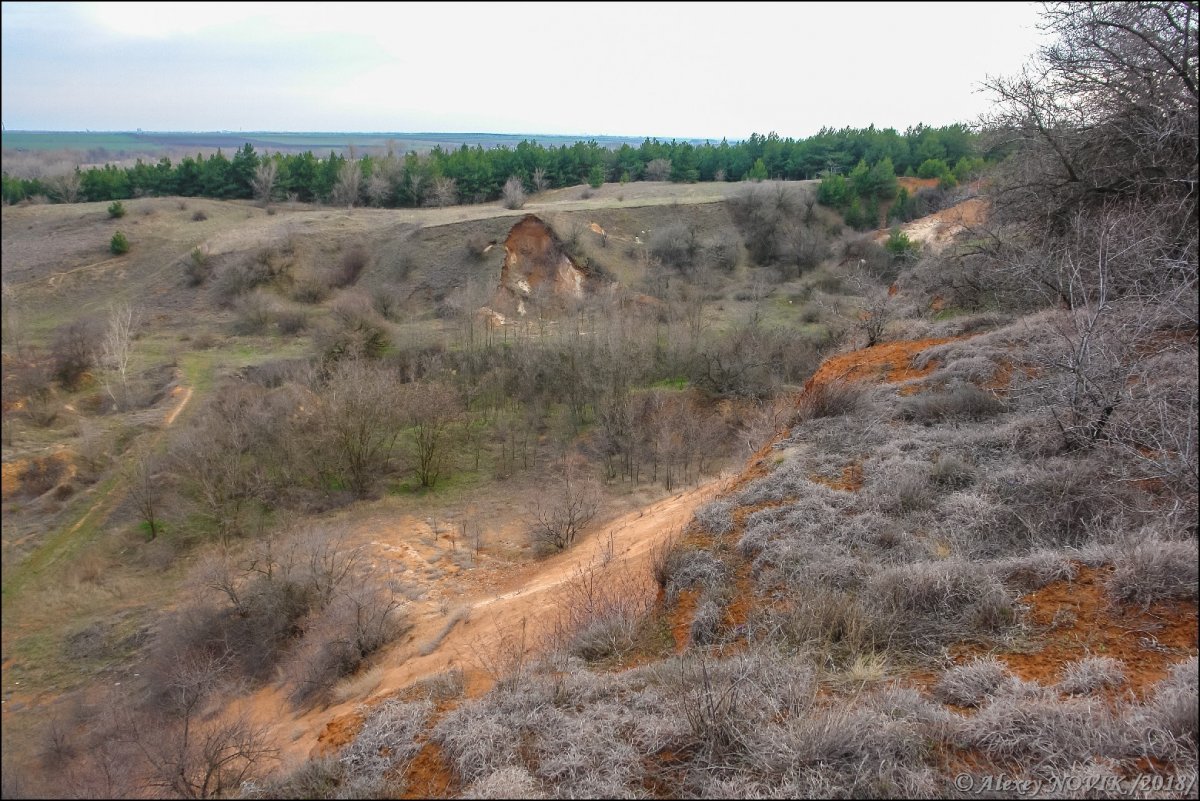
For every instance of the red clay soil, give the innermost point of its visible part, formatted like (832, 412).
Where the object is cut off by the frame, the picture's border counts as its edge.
(851, 480)
(1077, 619)
(429, 775)
(681, 616)
(889, 362)
(337, 732)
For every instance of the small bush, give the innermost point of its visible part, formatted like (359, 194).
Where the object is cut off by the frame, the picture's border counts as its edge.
(119, 244)
(199, 216)
(513, 194)
(198, 266)
(675, 245)
(952, 472)
(716, 517)
(116, 210)
(477, 245)
(253, 315)
(1091, 674)
(973, 683)
(930, 602)
(291, 322)
(350, 267)
(723, 250)
(829, 399)
(310, 290)
(73, 351)
(963, 402)
(1153, 570)
(900, 246)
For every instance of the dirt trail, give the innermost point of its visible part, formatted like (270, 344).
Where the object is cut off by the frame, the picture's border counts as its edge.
(515, 616)
(111, 499)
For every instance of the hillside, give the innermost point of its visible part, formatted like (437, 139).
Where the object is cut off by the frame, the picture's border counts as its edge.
(669, 490)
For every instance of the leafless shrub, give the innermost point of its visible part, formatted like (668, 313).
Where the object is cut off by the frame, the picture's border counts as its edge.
(316, 778)
(973, 683)
(1154, 569)
(557, 519)
(658, 170)
(358, 622)
(66, 186)
(513, 193)
(727, 702)
(952, 473)
(1167, 724)
(263, 182)
(353, 261)
(1042, 732)
(872, 747)
(675, 245)
(291, 322)
(199, 215)
(507, 782)
(909, 489)
(828, 399)
(600, 612)
(716, 517)
(930, 601)
(706, 623)
(386, 743)
(961, 402)
(347, 188)
(443, 192)
(540, 182)
(310, 290)
(254, 314)
(73, 352)
(685, 568)
(723, 250)
(1093, 673)
(443, 686)
(1035, 570)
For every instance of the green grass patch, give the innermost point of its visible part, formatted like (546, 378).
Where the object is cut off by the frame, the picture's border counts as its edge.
(677, 383)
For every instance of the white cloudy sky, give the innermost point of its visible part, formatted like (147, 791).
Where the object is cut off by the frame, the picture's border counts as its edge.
(680, 69)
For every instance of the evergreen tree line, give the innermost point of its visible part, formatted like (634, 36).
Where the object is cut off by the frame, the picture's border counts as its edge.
(473, 174)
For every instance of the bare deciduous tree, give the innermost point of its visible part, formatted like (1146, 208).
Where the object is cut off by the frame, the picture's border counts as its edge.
(116, 349)
(444, 192)
(559, 517)
(349, 184)
(263, 182)
(431, 410)
(66, 187)
(145, 488)
(658, 170)
(513, 193)
(360, 422)
(540, 181)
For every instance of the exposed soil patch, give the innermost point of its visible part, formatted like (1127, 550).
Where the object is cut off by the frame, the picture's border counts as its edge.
(429, 775)
(851, 480)
(337, 732)
(537, 271)
(939, 228)
(890, 362)
(1077, 619)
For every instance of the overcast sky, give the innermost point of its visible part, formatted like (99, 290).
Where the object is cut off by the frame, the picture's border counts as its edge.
(681, 69)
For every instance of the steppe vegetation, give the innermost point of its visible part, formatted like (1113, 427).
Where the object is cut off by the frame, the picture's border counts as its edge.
(291, 511)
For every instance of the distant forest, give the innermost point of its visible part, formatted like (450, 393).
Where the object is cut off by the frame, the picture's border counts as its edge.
(475, 174)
